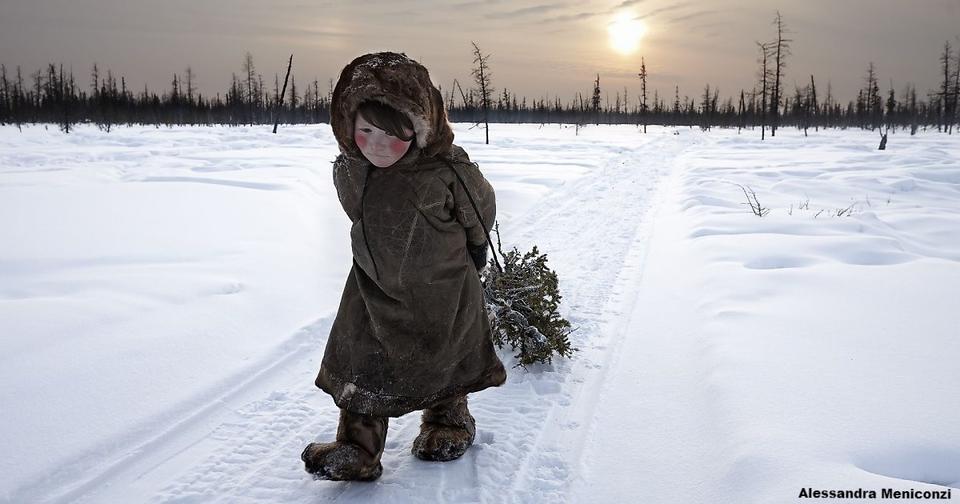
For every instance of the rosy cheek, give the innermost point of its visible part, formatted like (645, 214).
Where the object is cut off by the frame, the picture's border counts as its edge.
(398, 147)
(360, 139)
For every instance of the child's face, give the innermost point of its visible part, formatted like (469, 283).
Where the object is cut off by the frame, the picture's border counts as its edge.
(379, 147)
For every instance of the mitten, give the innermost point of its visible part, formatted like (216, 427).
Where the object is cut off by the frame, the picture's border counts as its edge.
(479, 255)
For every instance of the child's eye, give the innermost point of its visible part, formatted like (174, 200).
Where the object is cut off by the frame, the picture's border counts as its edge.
(366, 130)
(388, 133)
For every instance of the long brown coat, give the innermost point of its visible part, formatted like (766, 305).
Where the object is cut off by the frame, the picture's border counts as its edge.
(412, 327)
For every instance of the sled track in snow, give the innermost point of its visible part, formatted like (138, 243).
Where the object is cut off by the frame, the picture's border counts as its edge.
(595, 232)
(130, 465)
(245, 446)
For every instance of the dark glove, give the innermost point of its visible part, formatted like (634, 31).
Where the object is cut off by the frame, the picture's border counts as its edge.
(479, 255)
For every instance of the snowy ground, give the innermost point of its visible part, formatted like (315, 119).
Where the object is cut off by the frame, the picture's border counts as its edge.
(165, 295)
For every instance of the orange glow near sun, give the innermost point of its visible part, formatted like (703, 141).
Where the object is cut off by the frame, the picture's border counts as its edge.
(625, 33)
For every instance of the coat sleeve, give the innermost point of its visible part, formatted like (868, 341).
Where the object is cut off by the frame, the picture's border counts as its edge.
(349, 178)
(483, 195)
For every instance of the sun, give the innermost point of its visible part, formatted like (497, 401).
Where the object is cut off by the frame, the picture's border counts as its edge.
(625, 33)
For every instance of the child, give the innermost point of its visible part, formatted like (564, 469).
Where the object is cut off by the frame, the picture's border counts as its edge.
(412, 331)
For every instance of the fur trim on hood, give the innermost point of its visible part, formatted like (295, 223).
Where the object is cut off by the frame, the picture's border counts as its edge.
(397, 81)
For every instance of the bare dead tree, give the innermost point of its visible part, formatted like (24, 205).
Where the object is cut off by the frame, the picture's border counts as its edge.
(463, 95)
(676, 104)
(595, 101)
(251, 74)
(293, 92)
(643, 93)
(911, 100)
(814, 109)
(828, 104)
(5, 93)
(765, 76)
(483, 80)
(263, 96)
(874, 102)
(95, 80)
(279, 104)
(276, 89)
(706, 110)
(781, 51)
(740, 113)
(944, 94)
(190, 88)
(888, 117)
(956, 92)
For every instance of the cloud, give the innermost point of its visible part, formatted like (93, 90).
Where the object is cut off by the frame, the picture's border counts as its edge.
(626, 3)
(536, 9)
(307, 32)
(693, 15)
(570, 17)
(661, 10)
(472, 3)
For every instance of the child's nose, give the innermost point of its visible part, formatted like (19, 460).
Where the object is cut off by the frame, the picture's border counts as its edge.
(382, 141)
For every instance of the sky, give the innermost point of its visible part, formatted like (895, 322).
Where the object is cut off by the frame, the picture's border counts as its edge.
(538, 48)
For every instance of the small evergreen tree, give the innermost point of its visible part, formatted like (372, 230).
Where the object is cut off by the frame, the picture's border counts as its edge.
(523, 301)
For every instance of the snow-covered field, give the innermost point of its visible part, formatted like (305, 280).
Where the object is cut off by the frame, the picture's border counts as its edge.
(165, 296)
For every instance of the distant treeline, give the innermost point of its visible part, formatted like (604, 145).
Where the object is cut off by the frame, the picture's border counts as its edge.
(53, 95)
(803, 110)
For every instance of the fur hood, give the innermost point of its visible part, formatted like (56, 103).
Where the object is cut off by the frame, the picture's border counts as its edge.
(397, 81)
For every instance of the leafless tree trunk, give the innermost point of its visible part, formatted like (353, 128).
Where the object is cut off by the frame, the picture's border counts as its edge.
(956, 91)
(951, 98)
(293, 93)
(814, 105)
(706, 110)
(279, 105)
(463, 95)
(740, 113)
(643, 93)
(251, 73)
(944, 93)
(781, 53)
(873, 100)
(764, 86)
(95, 80)
(676, 105)
(912, 100)
(190, 88)
(482, 77)
(595, 101)
(626, 102)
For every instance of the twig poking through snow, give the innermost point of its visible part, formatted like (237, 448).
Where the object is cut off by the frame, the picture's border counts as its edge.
(754, 203)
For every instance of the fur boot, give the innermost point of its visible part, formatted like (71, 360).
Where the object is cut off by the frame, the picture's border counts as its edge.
(355, 455)
(446, 431)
